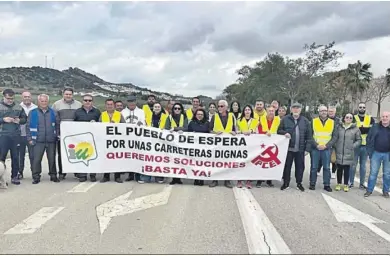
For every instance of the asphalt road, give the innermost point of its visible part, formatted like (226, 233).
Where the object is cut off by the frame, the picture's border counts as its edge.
(195, 220)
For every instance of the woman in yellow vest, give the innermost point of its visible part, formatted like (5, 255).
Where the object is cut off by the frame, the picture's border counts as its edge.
(235, 109)
(178, 122)
(156, 120)
(111, 116)
(247, 125)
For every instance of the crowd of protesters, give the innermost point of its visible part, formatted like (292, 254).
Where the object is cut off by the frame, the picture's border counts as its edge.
(335, 144)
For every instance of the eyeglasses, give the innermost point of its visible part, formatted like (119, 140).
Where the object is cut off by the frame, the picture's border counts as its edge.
(221, 106)
(362, 107)
(177, 108)
(88, 100)
(348, 117)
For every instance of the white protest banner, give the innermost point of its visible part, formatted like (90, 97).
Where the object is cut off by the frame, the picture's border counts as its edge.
(107, 147)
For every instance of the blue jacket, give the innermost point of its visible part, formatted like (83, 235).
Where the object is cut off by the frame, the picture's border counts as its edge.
(370, 146)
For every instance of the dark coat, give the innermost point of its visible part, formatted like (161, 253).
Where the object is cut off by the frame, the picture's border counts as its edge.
(13, 110)
(45, 132)
(287, 125)
(371, 138)
(197, 126)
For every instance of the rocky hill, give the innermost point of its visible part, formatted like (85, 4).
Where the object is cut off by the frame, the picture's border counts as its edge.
(51, 80)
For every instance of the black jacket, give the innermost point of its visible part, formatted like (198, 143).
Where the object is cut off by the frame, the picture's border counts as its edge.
(371, 138)
(287, 125)
(196, 126)
(81, 115)
(13, 110)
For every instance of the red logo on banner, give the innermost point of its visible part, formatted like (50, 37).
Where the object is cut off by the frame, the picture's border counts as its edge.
(268, 158)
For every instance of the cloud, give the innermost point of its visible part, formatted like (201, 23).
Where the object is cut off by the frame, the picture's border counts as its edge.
(187, 48)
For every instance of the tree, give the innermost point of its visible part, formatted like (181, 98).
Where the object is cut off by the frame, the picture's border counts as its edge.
(380, 90)
(358, 78)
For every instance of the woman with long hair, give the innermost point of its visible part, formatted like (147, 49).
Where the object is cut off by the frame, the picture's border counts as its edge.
(247, 125)
(177, 122)
(199, 123)
(212, 110)
(156, 120)
(348, 140)
(235, 108)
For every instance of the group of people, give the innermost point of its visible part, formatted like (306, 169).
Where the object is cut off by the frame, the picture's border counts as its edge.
(343, 142)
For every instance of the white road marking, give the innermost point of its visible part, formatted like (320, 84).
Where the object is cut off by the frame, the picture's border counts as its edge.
(121, 205)
(82, 187)
(261, 235)
(346, 213)
(377, 189)
(35, 221)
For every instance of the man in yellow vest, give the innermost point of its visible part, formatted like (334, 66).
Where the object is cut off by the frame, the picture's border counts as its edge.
(259, 109)
(268, 125)
(148, 108)
(364, 122)
(111, 116)
(324, 136)
(195, 105)
(223, 122)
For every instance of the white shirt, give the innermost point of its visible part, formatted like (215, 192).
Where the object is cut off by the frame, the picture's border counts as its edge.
(27, 109)
(134, 116)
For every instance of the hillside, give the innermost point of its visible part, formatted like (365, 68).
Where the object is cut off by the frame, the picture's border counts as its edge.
(39, 79)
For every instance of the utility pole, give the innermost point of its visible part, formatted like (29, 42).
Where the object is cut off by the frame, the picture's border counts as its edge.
(52, 62)
(45, 61)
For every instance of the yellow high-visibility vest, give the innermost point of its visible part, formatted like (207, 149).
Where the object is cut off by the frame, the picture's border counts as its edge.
(148, 112)
(245, 126)
(116, 117)
(257, 116)
(218, 126)
(163, 120)
(173, 122)
(366, 124)
(274, 126)
(189, 114)
(322, 134)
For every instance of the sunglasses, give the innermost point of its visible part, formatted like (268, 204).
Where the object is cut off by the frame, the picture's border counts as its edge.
(221, 106)
(348, 117)
(88, 100)
(177, 108)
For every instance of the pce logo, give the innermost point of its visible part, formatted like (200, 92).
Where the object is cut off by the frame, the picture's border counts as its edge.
(268, 158)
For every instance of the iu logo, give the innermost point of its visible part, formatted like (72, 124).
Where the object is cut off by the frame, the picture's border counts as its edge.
(268, 158)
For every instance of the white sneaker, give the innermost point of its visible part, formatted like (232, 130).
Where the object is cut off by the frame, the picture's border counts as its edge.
(160, 182)
(333, 176)
(141, 182)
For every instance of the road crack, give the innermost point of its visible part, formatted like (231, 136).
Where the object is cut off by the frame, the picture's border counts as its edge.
(380, 207)
(265, 241)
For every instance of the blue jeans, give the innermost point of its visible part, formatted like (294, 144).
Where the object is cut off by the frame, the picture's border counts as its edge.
(324, 157)
(361, 156)
(376, 160)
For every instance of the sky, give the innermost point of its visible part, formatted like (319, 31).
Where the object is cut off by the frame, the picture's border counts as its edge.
(187, 48)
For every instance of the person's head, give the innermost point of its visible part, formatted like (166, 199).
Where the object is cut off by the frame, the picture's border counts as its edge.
(259, 105)
(68, 94)
(9, 96)
(157, 108)
(119, 105)
(87, 101)
(201, 106)
(348, 118)
(270, 112)
(282, 111)
(296, 110)
(275, 104)
(222, 106)
(385, 118)
(26, 98)
(131, 102)
(247, 112)
(170, 104)
(195, 102)
(332, 111)
(110, 105)
(43, 101)
(177, 109)
(322, 111)
(235, 107)
(362, 108)
(200, 116)
(151, 100)
(212, 107)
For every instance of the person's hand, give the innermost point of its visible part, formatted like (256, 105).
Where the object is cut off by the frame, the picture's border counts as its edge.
(8, 119)
(218, 133)
(139, 123)
(321, 147)
(268, 134)
(288, 135)
(30, 142)
(180, 131)
(92, 121)
(233, 133)
(16, 120)
(172, 130)
(247, 133)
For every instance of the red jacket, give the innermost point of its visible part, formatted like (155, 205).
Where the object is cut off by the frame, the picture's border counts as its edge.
(260, 129)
